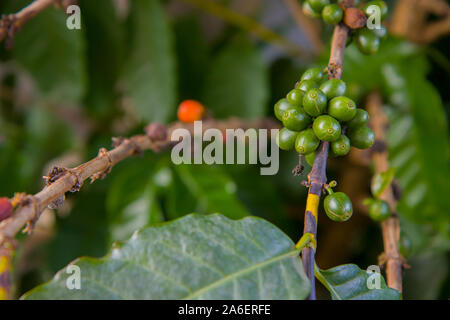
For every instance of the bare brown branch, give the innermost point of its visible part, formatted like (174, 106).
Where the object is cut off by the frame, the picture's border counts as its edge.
(390, 228)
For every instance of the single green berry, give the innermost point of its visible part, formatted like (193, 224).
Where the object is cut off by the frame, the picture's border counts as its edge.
(367, 42)
(379, 210)
(310, 157)
(333, 88)
(361, 137)
(280, 107)
(380, 32)
(306, 85)
(315, 74)
(338, 207)
(315, 102)
(327, 128)
(295, 97)
(361, 118)
(308, 11)
(381, 5)
(342, 108)
(341, 146)
(296, 119)
(332, 14)
(318, 5)
(286, 139)
(306, 142)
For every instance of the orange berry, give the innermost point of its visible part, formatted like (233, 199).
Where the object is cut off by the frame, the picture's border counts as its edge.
(6, 208)
(190, 111)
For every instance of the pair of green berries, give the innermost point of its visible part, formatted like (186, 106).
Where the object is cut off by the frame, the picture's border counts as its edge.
(367, 40)
(337, 205)
(306, 124)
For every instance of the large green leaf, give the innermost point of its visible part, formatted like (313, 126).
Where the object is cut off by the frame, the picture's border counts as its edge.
(349, 282)
(203, 189)
(195, 257)
(53, 55)
(238, 82)
(150, 72)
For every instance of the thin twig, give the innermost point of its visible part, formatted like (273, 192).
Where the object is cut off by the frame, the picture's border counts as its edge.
(317, 177)
(390, 228)
(62, 180)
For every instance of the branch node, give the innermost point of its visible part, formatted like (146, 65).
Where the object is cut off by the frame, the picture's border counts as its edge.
(102, 175)
(297, 171)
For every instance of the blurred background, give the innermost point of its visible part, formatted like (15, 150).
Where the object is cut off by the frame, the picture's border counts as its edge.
(65, 93)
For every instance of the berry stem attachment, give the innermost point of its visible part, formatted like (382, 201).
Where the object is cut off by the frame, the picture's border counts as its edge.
(317, 178)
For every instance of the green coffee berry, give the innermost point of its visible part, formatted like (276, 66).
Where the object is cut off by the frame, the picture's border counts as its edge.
(338, 207)
(342, 108)
(286, 139)
(333, 88)
(379, 210)
(296, 119)
(310, 157)
(332, 14)
(380, 32)
(315, 74)
(381, 4)
(306, 85)
(326, 128)
(361, 137)
(295, 97)
(280, 107)
(341, 146)
(315, 102)
(308, 11)
(306, 142)
(318, 5)
(361, 118)
(367, 42)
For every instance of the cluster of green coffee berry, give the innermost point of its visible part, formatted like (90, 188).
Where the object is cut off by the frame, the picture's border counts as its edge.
(367, 40)
(318, 110)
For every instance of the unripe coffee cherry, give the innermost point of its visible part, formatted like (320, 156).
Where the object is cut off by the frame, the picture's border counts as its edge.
(315, 102)
(308, 11)
(379, 210)
(306, 85)
(327, 128)
(367, 42)
(190, 111)
(361, 137)
(361, 118)
(6, 208)
(296, 119)
(332, 14)
(315, 74)
(310, 157)
(381, 4)
(318, 5)
(341, 146)
(338, 207)
(306, 142)
(380, 32)
(286, 139)
(295, 97)
(342, 108)
(280, 107)
(333, 88)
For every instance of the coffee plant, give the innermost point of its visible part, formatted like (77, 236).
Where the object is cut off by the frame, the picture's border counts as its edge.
(360, 136)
